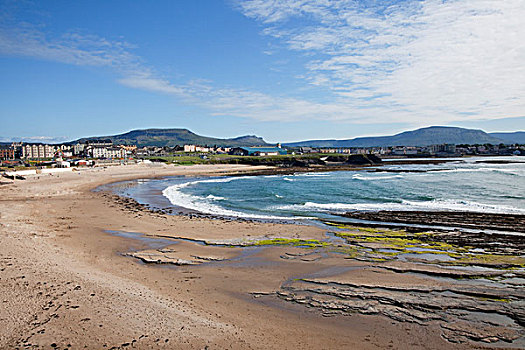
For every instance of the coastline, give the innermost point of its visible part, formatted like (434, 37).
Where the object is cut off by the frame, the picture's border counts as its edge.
(65, 280)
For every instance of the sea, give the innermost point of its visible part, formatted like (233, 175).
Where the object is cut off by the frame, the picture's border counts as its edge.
(477, 184)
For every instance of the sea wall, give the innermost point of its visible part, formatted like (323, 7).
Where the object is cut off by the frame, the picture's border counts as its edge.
(38, 171)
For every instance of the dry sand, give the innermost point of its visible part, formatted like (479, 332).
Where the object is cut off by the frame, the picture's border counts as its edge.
(67, 283)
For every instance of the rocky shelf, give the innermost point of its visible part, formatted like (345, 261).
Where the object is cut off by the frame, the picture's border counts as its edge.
(473, 220)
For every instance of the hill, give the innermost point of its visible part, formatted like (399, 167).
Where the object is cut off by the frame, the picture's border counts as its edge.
(420, 137)
(510, 137)
(176, 137)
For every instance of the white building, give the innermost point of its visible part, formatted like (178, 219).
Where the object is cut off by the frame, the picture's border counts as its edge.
(106, 152)
(116, 152)
(189, 148)
(38, 151)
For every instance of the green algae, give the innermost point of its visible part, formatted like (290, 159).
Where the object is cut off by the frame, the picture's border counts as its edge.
(364, 243)
(496, 260)
(402, 242)
(399, 240)
(499, 300)
(370, 230)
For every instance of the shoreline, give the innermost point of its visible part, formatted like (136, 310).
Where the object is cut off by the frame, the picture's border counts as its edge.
(471, 222)
(444, 220)
(66, 281)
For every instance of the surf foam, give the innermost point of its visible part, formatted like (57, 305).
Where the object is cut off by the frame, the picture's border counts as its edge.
(204, 205)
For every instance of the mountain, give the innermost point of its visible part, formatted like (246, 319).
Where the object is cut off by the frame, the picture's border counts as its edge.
(510, 137)
(176, 137)
(421, 137)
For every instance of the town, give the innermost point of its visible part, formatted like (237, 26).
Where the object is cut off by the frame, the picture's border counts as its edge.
(104, 151)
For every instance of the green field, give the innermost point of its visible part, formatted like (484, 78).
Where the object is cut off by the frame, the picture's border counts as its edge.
(186, 159)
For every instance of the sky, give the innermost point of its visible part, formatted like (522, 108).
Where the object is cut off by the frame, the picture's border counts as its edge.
(286, 70)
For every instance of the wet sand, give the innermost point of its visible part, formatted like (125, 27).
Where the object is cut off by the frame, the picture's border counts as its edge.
(175, 282)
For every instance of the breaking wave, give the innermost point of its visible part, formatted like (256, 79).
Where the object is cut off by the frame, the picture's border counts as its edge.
(205, 204)
(371, 178)
(405, 205)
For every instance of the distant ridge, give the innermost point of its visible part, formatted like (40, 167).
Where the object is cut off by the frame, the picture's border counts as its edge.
(420, 137)
(510, 137)
(176, 137)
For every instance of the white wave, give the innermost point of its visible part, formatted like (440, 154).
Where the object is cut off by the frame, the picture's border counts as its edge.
(224, 179)
(458, 205)
(466, 170)
(215, 198)
(441, 170)
(278, 196)
(435, 205)
(368, 178)
(516, 172)
(204, 205)
(313, 174)
(288, 179)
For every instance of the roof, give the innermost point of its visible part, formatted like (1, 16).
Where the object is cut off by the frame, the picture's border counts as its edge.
(252, 150)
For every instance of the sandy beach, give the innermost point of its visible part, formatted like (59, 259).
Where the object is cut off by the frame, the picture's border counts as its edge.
(84, 269)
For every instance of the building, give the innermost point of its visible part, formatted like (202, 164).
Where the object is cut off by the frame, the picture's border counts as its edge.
(130, 149)
(106, 152)
(97, 152)
(257, 151)
(7, 152)
(443, 148)
(38, 151)
(100, 143)
(116, 152)
(189, 148)
(142, 152)
(84, 162)
(78, 149)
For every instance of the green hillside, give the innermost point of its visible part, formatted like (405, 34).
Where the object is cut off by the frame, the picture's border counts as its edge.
(176, 137)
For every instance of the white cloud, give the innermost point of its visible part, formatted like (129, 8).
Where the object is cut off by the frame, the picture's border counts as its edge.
(25, 40)
(418, 61)
(421, 62)
(35, 139)
(89, 50)
(71, 48)
(147, 82)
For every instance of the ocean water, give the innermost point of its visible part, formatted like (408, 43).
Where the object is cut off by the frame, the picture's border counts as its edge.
(462, 185)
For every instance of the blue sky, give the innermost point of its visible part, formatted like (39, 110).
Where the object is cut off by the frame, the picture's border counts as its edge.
(285, 70)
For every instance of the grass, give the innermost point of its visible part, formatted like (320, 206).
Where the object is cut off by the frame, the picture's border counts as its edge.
(190, 158)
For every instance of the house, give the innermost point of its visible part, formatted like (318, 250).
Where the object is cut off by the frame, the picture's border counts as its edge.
(257, 151)
(63, 164)
(142, 152)
(189, 148)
